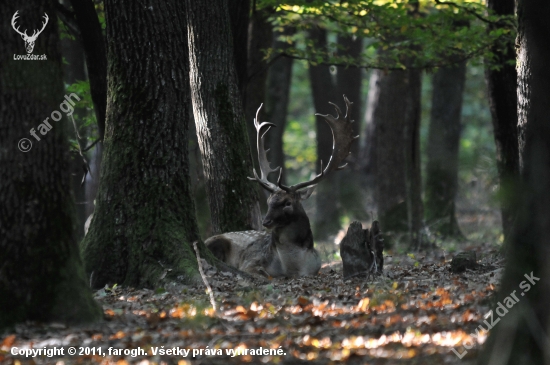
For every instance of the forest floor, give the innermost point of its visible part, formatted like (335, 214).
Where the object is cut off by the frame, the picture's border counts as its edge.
(417, 312)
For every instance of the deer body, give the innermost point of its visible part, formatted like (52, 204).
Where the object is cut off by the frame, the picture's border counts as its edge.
(287, 249)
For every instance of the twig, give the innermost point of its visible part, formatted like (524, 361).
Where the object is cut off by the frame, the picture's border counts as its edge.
(92, 145)
(208, 288)
(86, 164)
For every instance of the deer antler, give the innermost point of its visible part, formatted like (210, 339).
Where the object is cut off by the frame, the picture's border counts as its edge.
(35, 34)
(265, 169)
(342, 135)
(13, 19)
(342, 138)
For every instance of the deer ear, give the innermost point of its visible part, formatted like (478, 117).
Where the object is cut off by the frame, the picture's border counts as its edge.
(304, 194)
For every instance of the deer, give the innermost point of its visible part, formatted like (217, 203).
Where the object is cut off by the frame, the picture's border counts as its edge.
(29, 40)
(286, 249)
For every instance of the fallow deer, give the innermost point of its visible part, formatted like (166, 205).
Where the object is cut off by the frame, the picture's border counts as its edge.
(287, 249)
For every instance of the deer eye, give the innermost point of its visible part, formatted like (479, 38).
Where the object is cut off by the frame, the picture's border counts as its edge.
(288, 204)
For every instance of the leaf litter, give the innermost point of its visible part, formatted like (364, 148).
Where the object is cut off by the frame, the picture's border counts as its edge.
(415, 313)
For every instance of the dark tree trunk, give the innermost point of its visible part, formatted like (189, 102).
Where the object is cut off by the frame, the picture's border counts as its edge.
(502, 85)
(443, 143)
(239, 14)
(219, 118)
(348, 82)
(260, 38)
(93, 43)
(75, 70)
(327, 217)
(411, 137)
(96, 57)
(41, 274)
(521, 337)
(144, 222)
(277, 98)
(393, 112)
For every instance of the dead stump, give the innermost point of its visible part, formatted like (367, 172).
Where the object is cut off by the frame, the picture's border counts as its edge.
(362, 250)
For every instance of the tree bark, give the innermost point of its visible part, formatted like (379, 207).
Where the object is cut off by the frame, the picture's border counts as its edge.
(41, 273)
(502, 85)
(144, 222)
(443, 144)
(75, 70)
(348, 82)
(277, 98)
(239, 14)
(220, 119)
(327, 217)
(521, 337)
(393, 111)
(260, 38)
(96, 57)
(93, 42)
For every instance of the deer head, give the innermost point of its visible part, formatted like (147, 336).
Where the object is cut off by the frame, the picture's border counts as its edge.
(29, 40)
(284, 203)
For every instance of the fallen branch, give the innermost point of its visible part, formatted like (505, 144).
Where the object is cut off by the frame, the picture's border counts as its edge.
(208, 288)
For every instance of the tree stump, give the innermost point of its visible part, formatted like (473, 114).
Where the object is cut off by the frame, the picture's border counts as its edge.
(463, 261)
(362, 250)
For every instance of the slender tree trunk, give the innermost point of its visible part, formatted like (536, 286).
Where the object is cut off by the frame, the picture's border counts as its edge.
(260, 38)
(277, 98)
(93, 42)
(443, 143)
(393, 108)
(75, 70)
(521, 337)
(348, 82)
(368, 154)
(41, 274)
(502, 85)
(411, 137)
(239, 14)
(144, 223)
(220, 119)
(96, 57)
(327, 217)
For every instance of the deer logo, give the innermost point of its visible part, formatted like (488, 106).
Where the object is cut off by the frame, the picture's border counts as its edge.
(29, 40)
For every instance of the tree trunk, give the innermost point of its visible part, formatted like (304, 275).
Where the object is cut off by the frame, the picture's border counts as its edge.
(368, 153)
(443, 143)
(327, 217)
(277, 98)
(96, 57)
(348, 82)
(393, 111)
(93, 42)
(521, 337)
(502, 85)
(239, 14)
(41, 274)
(144, 222)
(260, 38)
(75, 70)
(220, 119)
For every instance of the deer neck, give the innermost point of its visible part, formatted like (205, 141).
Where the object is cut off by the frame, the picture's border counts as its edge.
(296, 234)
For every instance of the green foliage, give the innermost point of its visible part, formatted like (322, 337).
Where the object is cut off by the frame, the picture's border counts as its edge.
(84, 116)
(423, 34)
